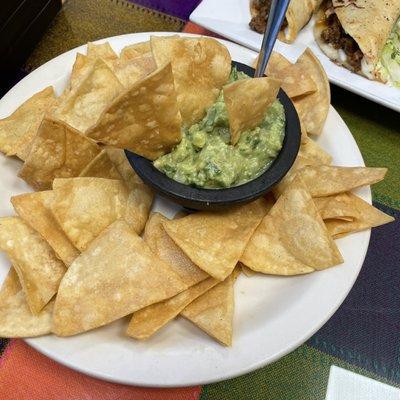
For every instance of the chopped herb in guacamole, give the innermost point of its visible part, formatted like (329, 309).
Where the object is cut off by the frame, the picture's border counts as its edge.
(204, 158)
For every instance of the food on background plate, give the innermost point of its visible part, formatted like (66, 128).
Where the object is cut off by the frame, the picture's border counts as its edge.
(298, 14)
(354, 34)
(95, 203)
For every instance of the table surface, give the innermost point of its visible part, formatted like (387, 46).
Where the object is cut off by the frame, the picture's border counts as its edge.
(363, 336)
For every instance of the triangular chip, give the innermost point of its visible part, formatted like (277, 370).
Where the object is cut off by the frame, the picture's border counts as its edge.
(362, 214)
(83, 105)
(214, 241)
(135, 50)
(246, 270)
(213, 311)
(58, 151)
(325, 180)
(165, 248)
(292, 238)
(19, 129)
(84, 207)
(336, 207)
(79, 69)
(144, 118)
(149, 320)
(102, 50)
(116, 276)
(247, 101)
(313, 151)
(16, 319)
(38, 268)
(201, 66)
(35, 210)
(314, 107)
(101, 167)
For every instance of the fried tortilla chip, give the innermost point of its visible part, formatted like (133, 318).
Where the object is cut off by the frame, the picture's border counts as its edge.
(116, 276)
(35, 210)
(79, 69)
(101, 167)
(165, 248)
(58, 151)
(135, 50)
(84, 207)
(215, 241)
(38, 268)
(313, 151)
(102, 50)
(213, 311)
(144, 118)
(16, 319)
(19, 129)
(314, 107)
(83, 105)
(201, 66)
(360, 214)
(292, 238)
(247, 101)
(326, 180)
(246, 270)
(149, 320)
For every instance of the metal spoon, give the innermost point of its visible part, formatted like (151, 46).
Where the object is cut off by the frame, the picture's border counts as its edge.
(275, 18)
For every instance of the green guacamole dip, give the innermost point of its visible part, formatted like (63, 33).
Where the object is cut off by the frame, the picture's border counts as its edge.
(204, 158)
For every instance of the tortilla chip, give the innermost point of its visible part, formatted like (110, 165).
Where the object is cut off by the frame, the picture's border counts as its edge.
(116, 276)
(147, 321)
(58, 151)
(214, 241)
(292, 238)
(101, 167)
(213, 311)
(325, 180)
(247, 101)
(84, 207)
(82, 107)
(37, 266)
(135, 50)
(314, 107)
(313, 151)
(165, 248)
(336, 207)
(102, 50)
(363, 216)
(246, 270)
(79, 69)
(19, 129)
(16, 319)
(201, 66)
(35, 210)
(144, 118)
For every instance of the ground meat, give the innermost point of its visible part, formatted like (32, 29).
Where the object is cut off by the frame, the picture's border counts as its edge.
(259, 21)
(335, 35)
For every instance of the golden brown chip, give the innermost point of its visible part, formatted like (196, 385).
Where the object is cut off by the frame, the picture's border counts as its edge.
(165, 248)
(144, 119)
(79, 69)
(135, 50)
(362, 214)
(149, 320)
(116, 276)
(336, 207)
(214, 241)
(325, 180)
(102, 50)
(313, 108)
(247, 101)
(292, 238)
(313, 151)
(246, 270)
(19, 129)
(101, 167)
(84, 207)
(38, 268)
(35, 210)
(83, 105)
(58, 151)
(213, 311)
(201, 66)
(16, 319)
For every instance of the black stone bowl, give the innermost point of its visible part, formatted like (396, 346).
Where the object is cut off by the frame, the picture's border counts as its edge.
(215, 199)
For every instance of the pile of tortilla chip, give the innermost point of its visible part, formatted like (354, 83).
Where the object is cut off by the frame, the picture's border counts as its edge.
(85, 248)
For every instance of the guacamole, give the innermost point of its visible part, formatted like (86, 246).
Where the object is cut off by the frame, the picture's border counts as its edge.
(204, 158)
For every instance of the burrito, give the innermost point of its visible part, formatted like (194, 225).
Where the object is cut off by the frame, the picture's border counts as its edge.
(298, 14)
(354, 34)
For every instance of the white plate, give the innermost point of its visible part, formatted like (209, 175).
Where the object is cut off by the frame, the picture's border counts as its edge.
(230, 18)
(273, 315)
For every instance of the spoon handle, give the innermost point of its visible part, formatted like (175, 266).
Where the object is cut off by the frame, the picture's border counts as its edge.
(275, 18)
